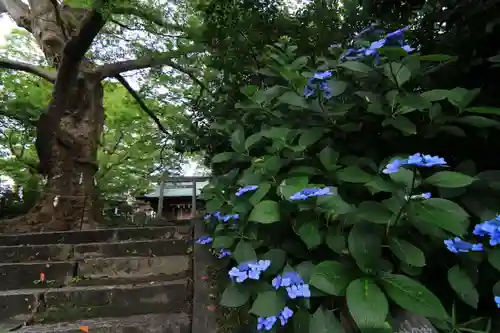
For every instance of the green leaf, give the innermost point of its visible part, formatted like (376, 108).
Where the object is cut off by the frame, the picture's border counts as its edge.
(268, 304)
(353, 174)
(449, 179)
(292, 98)
(238, 141)
(310, 234)
(461, 97)
(374, 212)
(337, 87)
(335, 239)
(244, 252)
(407, 252)
(437, 57)
(367, 303)
(234, 296)
(484, 110)
(324, 321)
(266, 211)
(277, 258)
(329, 158)
(223, 242)
(478, 121)
(305, 270)
(413, 296)
(260, 193)
(434, 95)
(397, 73)
(442, 213)
(365, 246)
(494, 258)
(403, 124)
(463, 286)
(309, 136)
(223, 157)
(331, 277)
(355, 66)
(252, 140)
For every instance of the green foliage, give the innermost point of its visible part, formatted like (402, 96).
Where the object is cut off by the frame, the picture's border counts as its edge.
(374, 243)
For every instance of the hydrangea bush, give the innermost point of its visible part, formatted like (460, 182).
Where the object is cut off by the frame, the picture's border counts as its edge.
(329, 215)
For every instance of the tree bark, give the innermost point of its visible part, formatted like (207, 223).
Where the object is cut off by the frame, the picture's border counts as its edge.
(68, 133)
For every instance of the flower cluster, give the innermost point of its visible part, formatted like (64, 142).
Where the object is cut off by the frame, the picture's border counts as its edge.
(318, 79)
(204, 240)
(395, 39)
(415, 160)
(222, 218)
(267, 323)
(489, 228)
(243, 190)
(421, 196)
(223, 253)
(249, 270)
(458, 245)
(311, 192)
(293, 283)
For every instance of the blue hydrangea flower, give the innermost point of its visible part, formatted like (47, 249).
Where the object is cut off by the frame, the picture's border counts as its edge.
(223, 253)
(246, 189)
(249, 270)
(267, 323)
(311, 192)
(205, 240)
(416, 160)
(497, 300)
(319, 79)
(422, 196)
(489, 228)
(458, 245)
(293, 284)
(228, 217)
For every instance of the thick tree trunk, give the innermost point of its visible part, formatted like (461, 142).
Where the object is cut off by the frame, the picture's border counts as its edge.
(70, 198)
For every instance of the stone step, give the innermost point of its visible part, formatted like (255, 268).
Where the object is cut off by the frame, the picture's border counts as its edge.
(78, 302)
(152, 323)
(63, 252)
(95, 236)
(94, 271)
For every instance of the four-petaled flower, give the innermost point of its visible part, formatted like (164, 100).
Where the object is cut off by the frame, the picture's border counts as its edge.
(459, 245)
(293, 284)
(249, 270)
(422, 196)
(319, 79)
(205, 240)
(489, 228)
(243, 190)
(311, 192)
(416, 160)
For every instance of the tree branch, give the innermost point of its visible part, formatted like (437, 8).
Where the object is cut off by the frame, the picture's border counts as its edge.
(111, 70)
(141, 103)
(18, 11)
(28, 68)
(136, 9)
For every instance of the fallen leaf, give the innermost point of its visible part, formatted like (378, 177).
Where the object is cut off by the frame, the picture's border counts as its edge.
(84, 329)
(211, 308)
(42, 276)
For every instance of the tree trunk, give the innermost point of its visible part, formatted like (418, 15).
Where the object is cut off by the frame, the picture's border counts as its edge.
(70, 200)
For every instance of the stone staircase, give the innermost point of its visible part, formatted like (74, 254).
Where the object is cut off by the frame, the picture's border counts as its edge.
(112, 280)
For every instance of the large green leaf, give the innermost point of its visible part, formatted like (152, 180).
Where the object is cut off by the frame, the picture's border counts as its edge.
(268, 304)
(442, 213)
(291, 98)
(234, 296)
(494, 258)
(310, 234)
(356, 66)
(353, 174)
(331, 277)
(244, 252)
(365, 246)
(413, 296)
(374, 212)
(324, 321)
(397, 73)
(463, 286)
(367, 303)
(266, 211)
(329, 158)
(449, 179)
(238, 141)
(223, 242)
(277, 258)
(407, 252)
